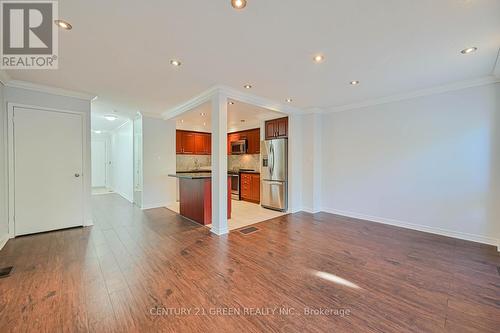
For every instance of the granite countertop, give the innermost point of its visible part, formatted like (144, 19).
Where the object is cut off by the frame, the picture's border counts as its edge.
(192, 175)
(254, 172)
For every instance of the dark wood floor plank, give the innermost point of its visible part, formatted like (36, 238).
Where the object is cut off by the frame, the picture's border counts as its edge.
(112, 277)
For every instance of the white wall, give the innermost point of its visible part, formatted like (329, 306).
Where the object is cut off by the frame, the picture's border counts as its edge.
(311, 168)
(430, 163)
(106, 138)
(32, 97)
(122, 161)
(159, 160)
(4, 223)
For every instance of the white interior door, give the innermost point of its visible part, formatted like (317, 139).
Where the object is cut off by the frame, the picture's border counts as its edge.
(98, 164)
(48, 163)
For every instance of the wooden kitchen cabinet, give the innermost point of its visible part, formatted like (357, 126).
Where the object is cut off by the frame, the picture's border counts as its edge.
(193, 143)
(276, 128)
(250, 187)
(178, 142)
(253, 140)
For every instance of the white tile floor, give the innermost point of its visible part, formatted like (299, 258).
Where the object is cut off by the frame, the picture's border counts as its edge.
(243, 214)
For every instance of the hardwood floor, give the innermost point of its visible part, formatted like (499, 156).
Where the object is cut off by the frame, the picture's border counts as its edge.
(128, 271)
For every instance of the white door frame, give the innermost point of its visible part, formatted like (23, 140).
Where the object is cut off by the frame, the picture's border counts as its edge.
(10, 160)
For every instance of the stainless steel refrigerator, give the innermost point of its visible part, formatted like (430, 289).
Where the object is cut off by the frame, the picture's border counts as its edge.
(274, 174)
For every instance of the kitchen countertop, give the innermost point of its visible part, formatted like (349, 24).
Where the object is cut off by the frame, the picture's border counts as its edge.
(232, 172)
(192, 175)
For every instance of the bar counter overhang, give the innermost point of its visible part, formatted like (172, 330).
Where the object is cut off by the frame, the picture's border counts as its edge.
(195, 196)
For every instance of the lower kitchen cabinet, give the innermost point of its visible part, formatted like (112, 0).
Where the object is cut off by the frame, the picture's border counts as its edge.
(250, 187)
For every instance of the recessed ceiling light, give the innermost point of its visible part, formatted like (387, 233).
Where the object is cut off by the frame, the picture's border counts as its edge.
(239, 4)
(289, 100)
(110, 117)
(319, 58)
(247, 86)
(63, 24)
(175, 62)
(203, 114)
(469, 50)
(97, 132)
(354, 83)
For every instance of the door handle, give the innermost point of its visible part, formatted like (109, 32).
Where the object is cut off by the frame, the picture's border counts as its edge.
(77, 175)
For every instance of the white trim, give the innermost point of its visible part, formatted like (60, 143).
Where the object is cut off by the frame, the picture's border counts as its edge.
(156, 205)
(50, 90)
(89, 223)
(231, 93)
(3, 240)
(418, 93)
(310, 210)
(4, 77)
(418, 227)
(496, 68)
(86, 172)
(219, 232)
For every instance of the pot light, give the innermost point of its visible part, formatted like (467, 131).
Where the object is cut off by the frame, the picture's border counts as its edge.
(175, 63)
(319, 58)
(238, 4)
(63, 24)
(247, 86)
(110, 117)
(469, 50)
(354, 83)
(289, 100)
(97, 132)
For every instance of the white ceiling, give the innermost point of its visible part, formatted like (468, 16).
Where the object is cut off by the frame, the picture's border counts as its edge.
(199, 118)
(120, 49)
(100, 109)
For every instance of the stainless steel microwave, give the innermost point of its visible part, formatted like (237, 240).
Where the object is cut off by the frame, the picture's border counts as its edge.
(239, 147)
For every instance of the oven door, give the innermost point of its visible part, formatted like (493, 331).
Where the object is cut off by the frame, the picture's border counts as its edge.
(235, 187)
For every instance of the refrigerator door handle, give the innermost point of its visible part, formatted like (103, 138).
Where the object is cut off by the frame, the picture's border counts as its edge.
(272, 160)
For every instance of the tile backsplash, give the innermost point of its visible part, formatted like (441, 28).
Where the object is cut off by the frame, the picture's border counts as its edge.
(234, 162)
(192, 162)
(247, 161)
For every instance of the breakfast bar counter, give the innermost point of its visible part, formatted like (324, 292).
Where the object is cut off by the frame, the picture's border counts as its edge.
(195, 196)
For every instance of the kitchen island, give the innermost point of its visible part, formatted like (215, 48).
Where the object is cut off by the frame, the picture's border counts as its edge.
(195, 196)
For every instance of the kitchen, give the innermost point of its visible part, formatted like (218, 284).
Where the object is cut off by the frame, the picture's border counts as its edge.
(256, 162)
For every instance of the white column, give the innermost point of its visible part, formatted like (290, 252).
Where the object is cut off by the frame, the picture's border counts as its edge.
(219, 164)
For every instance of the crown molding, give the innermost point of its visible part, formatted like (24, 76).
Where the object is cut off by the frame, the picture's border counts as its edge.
(4, 77)
(49, 90)
(230, 93)
(418, 93)
(496, 69)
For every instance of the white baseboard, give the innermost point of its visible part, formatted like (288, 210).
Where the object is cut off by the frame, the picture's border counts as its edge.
(219, 232)
(310, 210)
(418, 227)
(158, 205)
(3, 240)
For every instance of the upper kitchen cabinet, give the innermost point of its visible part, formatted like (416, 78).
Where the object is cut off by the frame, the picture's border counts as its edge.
(277, 128)
(252, 138)
(193, 143)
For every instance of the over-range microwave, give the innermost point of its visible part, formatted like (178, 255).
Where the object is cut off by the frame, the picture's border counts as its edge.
(239, 147)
